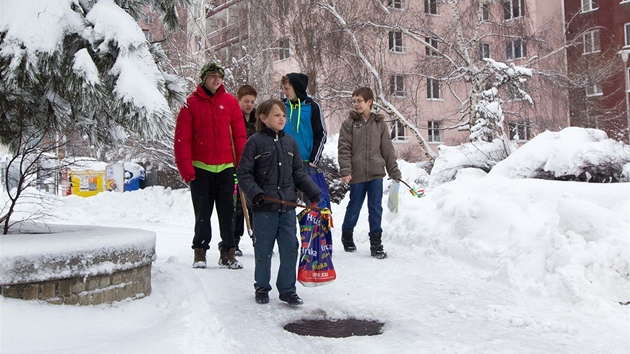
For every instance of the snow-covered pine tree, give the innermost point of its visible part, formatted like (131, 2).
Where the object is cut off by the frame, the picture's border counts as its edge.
(79, 66)
(83, 65)
(489, 121)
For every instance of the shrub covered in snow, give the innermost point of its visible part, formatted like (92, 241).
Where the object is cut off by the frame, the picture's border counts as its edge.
(572, 154)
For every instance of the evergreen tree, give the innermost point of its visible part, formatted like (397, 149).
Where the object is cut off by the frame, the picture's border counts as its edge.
(84, 65)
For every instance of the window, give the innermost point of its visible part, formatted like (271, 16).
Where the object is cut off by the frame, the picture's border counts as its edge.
(594, 90)
(591, 42)
(515, 49)
(149, 19)
(430, 7)
(433, 88)
(285, 48)
(148, 36)
(399, 132)
(589, 5)
(395, 4)
(283, 8)
(484, 51)
(433, 132)
(395, 42)
(519, 130)
(512, 9)
(485, 13)
(397, 85)
(434, 45)
(627, 32)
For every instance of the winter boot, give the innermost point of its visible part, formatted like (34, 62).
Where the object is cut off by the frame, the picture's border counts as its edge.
(262, 295)
(228, 259)
(376, 248)
(238, 252)
(347, 241)
(291, 298)
(200, 258)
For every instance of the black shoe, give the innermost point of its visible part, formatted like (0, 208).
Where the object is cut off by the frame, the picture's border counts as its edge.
(291, 298)
(262, 295)
(238, 252)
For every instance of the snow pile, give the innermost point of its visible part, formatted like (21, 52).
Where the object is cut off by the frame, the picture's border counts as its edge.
(452, 159)
(576, 153)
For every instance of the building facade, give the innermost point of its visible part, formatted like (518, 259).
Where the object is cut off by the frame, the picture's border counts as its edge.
(598, 64)
(424, 59)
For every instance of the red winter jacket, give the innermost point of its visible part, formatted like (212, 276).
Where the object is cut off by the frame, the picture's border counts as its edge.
(202, 132)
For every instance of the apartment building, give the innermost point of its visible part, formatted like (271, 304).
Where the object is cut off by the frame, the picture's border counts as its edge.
(421, 57)
(598, 64)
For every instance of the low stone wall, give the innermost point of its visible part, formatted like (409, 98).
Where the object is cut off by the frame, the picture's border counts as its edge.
(84, 266)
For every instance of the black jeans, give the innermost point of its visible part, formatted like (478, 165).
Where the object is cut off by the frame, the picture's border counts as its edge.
(207, 189)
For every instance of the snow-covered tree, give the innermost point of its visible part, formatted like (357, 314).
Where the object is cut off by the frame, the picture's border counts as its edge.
(83, 65)
(81, 68)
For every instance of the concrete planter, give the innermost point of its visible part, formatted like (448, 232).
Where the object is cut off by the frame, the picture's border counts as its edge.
(85, 265)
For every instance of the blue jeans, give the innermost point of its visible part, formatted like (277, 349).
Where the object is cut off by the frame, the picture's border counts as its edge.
(272, 226)
(374, 191)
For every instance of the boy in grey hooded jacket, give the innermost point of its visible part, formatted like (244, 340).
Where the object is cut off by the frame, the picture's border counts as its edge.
(365, 151)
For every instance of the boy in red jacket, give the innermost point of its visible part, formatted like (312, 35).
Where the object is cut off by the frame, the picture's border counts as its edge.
(206, 126)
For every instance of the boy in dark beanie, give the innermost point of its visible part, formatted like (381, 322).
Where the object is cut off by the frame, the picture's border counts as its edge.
(206, 126)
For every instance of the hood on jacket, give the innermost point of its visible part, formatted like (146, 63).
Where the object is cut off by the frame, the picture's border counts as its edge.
(356, 116)
(299, 82)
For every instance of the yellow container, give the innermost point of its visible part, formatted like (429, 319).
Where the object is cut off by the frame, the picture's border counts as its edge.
(87, 183)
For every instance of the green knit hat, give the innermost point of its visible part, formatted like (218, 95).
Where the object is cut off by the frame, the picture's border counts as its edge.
(211, 68)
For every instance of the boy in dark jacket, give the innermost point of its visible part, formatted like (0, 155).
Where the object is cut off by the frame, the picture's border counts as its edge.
(246, 96)
(365, 152)
(271, 166)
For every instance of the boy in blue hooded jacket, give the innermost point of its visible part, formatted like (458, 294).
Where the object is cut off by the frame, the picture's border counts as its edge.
(305, 124)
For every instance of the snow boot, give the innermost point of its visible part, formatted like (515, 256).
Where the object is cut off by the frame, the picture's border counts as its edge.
(376, 248)
(228, 259)
(348, 241)
(200, 258)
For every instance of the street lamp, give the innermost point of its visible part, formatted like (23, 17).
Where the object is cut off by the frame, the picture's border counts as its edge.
(624, 56)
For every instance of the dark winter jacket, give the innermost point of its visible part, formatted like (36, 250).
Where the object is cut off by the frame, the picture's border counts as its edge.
(271, 166)
(250, 125)
(202, 132)
(305, 122)
(365, 150)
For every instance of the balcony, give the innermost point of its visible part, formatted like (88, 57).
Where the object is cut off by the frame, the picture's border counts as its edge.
(228, 35)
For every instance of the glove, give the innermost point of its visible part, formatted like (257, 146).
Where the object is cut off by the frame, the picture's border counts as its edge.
(258, 199)
(315, 199)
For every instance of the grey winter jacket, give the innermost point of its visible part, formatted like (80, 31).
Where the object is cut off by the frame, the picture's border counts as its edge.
(365, 149)
(271, 166)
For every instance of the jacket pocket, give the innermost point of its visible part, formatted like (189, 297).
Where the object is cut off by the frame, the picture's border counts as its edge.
(263, 165)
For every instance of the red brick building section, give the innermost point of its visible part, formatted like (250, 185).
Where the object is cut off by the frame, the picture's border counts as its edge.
(598, 75)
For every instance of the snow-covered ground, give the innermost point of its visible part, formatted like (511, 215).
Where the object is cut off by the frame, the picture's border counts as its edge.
(482, 264)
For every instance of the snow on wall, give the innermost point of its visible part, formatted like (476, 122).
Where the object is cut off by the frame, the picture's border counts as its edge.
(63, 251)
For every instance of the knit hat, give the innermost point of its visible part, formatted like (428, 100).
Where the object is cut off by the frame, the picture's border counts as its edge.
(210, 68)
